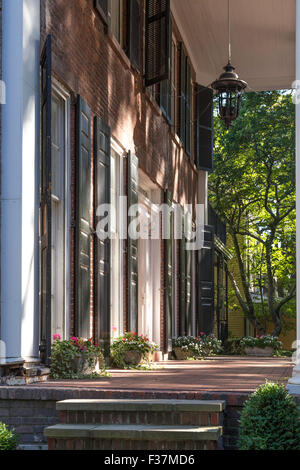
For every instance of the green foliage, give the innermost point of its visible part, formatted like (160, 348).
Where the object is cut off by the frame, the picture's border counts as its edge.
(64, 354)
(263, 341)
(8, 440)
(131, 342)
(204, 346)
(270, 420)
(233, 346)
(252, 188)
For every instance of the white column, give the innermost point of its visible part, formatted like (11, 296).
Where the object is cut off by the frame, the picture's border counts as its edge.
(294, 383)
(19, 179)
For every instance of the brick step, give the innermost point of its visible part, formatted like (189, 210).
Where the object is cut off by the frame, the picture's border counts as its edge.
(142, 412)
(133, 437)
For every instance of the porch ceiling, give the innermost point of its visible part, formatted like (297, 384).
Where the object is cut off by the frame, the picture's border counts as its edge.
(263, 39)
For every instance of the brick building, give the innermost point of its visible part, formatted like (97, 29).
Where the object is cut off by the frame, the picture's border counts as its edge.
(108, 99)
(122, 116)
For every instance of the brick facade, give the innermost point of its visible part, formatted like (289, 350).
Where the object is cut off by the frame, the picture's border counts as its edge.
(88, 61)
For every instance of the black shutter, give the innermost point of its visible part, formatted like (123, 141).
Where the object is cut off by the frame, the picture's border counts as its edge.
(188, 108)
(102, 8)
(157, 41)
(165, 87)
(182, 316)
(45, 204)
(132, 248)
(188, 290)
(205, 311)
(169, 276)
(182, 96)
(102, 246)
(133, 32)
(204, 128)
(83, 206)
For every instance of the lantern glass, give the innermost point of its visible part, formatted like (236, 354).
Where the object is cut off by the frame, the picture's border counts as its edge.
(229, 105)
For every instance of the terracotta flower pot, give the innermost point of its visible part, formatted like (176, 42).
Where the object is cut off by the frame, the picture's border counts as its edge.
(182, 354)
(259, 352)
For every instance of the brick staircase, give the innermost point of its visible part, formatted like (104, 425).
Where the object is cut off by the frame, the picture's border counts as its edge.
(137, 425)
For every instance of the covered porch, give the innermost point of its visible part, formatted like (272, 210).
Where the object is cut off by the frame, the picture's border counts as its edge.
(265, 47)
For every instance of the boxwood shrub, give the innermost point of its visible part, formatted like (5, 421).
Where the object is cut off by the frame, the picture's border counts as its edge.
(270, 420)
(8, 440)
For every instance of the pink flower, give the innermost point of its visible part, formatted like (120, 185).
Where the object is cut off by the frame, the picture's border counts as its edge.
(114, 328)
(202, 333)
(56, 337)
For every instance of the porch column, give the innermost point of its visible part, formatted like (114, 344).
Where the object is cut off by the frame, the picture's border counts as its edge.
(294, 383)
(19, 181)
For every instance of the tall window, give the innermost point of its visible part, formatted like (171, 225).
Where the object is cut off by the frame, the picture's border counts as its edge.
(59, 207)
(116, 261)
(117, 20)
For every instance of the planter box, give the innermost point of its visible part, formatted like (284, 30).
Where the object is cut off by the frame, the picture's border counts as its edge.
(260, 352)
(183, 354)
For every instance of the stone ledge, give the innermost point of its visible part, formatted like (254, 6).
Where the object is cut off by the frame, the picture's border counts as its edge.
(139, 432)
(142, 405)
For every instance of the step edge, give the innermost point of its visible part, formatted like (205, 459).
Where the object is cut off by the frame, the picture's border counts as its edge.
(141, 405)
(138, 432)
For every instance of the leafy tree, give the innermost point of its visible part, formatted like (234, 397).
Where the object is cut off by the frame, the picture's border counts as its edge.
(253, 190)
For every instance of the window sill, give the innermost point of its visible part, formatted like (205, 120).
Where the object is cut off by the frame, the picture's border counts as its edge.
(119, 51)
(153, 103)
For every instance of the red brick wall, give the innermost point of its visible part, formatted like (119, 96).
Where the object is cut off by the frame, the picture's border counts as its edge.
(90, 63)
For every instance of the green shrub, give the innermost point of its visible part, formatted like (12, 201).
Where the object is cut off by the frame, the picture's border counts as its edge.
(270, 420)
(233, 346)
(8, 440)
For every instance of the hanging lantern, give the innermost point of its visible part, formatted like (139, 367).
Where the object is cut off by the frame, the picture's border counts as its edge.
(229, 87)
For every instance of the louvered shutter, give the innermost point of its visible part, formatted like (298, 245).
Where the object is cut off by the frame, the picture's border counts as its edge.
(133, 32)
(169, 275)
(165, 87)
(182, 315)
(83, 207)
(157, 41)
(132, 248)
(188, 291)
(102, 8)
(102, 138)
(204, 128)
(188, 108)
(45, 204)
(205, 311)
(182, 96)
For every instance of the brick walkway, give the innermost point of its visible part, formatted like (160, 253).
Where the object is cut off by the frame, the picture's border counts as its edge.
(223, 374)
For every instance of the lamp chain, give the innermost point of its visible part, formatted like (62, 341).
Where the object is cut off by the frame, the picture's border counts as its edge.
(229, 33)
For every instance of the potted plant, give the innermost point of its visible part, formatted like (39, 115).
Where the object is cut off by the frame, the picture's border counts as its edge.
(75, 358)
(187, 347)
(263, 346)
(131, 350)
